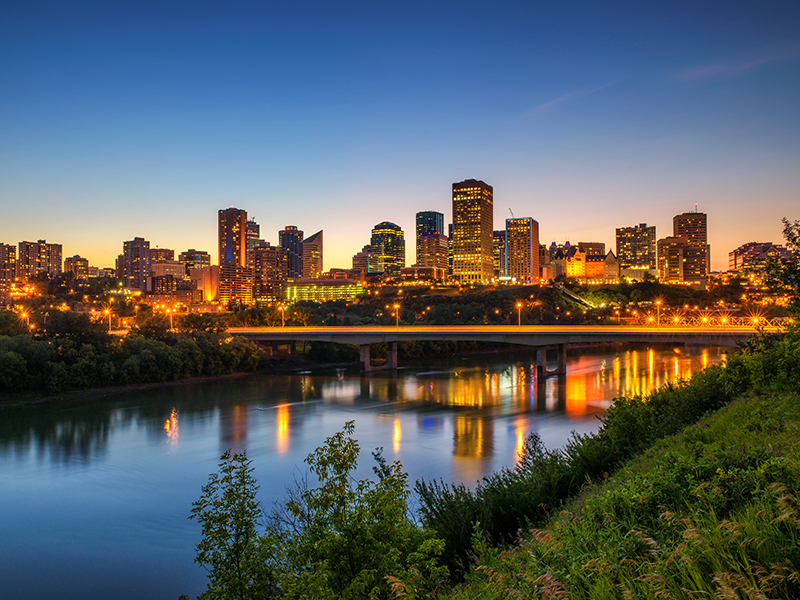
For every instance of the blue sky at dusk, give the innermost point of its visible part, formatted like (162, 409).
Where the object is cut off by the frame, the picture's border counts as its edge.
(144, 119)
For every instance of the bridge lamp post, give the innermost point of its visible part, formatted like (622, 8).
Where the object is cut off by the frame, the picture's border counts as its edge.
(519, 314)
(658, 313)
(397, 316)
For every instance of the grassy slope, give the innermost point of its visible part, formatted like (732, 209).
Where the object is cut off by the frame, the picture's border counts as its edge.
(710, 513)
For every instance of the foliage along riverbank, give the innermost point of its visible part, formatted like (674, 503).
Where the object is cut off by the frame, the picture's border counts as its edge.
(647, 530)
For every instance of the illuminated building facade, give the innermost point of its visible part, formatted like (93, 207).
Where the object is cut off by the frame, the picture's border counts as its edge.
(235, 285)
(433, 254)
(252, 235)
(38, 257)
(592, 249)
(499, 252)
(168, 267)
(365, 261)
(693, 226)
(232, 237)
(312, 256)
(206, 280)
(321, 290)
(271, 271)
(290, 238)
(194, 259)
(78, 266)
(611, 268)
(428, 221)
(473, 217)
(522, 249)
(671, 259)
(134, 264)
(753, 255)
(636, 247)
(388, 243)
(161, 255)
(8, 272)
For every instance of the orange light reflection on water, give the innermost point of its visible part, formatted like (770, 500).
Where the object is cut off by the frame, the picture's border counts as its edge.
(171, 428)
(282, 434)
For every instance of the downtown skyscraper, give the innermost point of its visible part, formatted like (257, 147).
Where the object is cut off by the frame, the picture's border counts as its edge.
(232, 236)
(473, 221)
(522, 249)
(428, 222)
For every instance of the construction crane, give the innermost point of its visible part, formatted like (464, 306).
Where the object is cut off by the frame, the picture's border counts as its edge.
(512, 213)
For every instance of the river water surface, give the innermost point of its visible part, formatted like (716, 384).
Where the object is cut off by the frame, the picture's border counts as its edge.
(95, 494)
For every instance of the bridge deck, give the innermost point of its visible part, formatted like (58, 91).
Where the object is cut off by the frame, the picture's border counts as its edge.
(544, 335)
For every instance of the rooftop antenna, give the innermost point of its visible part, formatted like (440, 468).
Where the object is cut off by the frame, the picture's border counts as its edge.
(695, 207)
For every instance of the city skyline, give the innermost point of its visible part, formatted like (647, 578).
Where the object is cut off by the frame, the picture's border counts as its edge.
(145, 120)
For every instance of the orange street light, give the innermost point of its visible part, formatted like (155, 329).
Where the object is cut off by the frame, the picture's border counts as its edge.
(519, 314)
(397, 315)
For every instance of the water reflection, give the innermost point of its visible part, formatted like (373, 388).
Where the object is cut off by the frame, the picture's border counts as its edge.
(171, 428)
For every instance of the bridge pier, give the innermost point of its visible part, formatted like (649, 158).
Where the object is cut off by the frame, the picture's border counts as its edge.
(366, 367)
(392, 355)
(541, 361)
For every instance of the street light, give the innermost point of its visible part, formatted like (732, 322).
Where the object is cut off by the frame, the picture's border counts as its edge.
(108, 312)
(397, 315)
(282, 308)
(519, 314)
(658, 313)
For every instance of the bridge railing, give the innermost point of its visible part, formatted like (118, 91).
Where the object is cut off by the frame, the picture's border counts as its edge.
(667, 320)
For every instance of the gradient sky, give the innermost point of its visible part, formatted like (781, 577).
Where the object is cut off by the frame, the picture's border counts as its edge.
(143, 119)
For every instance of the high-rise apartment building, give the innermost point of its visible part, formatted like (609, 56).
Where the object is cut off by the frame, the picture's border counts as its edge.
(194, 259)
(428, 221)
(312, 256)
(78, 266)
(235, 285)
(233, 237)
(365, 261)
(271, 266)
(8, 272)
(134, 264)
(672, 259)
(253, 241)
(388, 243)
(522, 249)
(636, 247)
(290, 238)
(473, 218)
(753, 255)
(433, 253)
(499, 252)
(697, 256)
(38, 257)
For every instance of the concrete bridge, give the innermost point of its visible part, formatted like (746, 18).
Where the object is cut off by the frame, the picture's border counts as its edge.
(540, 337)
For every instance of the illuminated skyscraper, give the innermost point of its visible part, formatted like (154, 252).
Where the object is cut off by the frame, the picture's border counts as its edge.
(271, 270)
(290, 238)
(161, 255)
(433, 253)
(428, 221)
(636, 247)
(312, 256)
(134, 264)
(233, 237)
(522, 249)
(78, 265)
(472, 231)
(38, 257)
(8, 272)
(697, 255)
(389, 244)
(194, 259)
(499, 252)
(672, 259)
(252, 235)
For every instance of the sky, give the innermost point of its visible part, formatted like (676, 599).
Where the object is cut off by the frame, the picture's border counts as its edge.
(144, 119)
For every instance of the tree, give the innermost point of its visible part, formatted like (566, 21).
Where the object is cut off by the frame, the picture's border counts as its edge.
(232, 549)
(783, 274)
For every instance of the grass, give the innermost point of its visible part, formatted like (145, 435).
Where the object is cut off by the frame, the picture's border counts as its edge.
(712, 512)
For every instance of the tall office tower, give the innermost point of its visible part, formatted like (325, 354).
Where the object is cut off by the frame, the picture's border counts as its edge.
(499, 252)
(636, 247)
(472, 231)
(38, 257)
(428, 221)
(194, 259)
(592, 249)
(271, 270)
(433, 253)
(8, 272)
(672, 259)
(235, 285)
(78, 266)
(291, 240)
(697, 256)
(522, 249)
(389, 244)
(312, 256)
(252, 235)
(134, 267)
(450, 250)
(232, 237)
(161, 255)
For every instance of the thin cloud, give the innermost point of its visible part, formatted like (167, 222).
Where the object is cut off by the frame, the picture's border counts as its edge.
(569, 97)
(735, 67)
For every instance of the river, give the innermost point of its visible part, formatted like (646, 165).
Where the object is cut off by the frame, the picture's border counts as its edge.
(95, 493)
